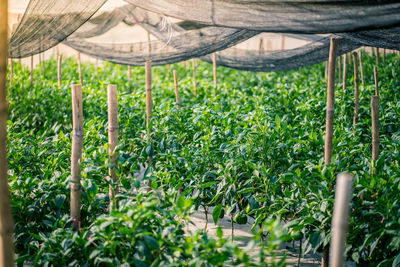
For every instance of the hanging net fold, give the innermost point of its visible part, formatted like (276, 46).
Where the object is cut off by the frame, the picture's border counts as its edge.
(47, 23)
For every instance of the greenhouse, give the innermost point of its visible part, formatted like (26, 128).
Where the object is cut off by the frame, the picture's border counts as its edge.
(199, 133)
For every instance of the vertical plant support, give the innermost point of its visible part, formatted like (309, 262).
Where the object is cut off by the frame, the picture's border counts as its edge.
(375, 127)
(80, 68)
(6, 220)
(282, 42)
(261, 45)
(362, 70)
(31, 70)
(76, 153)
(344, 72)
(214, 59)
(326, 70)
(376, 81)
(149, 107)
(59, 61)
(330, 111)
(377, 56)
(356, 90)
(129, 72)
(194, 77)
(340, 218)
(340, 69)
(178, 100)
(112, 139)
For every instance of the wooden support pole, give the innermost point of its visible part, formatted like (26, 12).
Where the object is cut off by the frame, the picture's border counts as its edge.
(344, 72)
(340, 58)
(356, 90)
(31, 70)
(214, 59)
(384, 55)
(149, 103)
(362, 70)
(326, 70)
(11, 72)
(129, 72)
(376, 81)
(340, 218)
(330, 104)
(375, 127)
(112, 104)
(194, 77)
(6, 220)
(261, 45)
(80, 68)
(330, 111)
(76, 153)
(59, 62)
(377, 56)
(178, 100)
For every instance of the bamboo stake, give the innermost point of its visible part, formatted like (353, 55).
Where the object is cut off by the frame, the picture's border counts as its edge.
(362, 71)
(214, 59)
(376, 81)
(12, 72)
(330, 111)
(194, 77)
(344, 72)
(76, 153)
(384, 55)
(330, 104)
(6, 220)
(59, 61)
(326, 70)
(340, 218)
(129, 72)
(340, 69)
(31, 70)
(377, 56)
(261, 45)
(148, 94)
(80, 68)
(356, 90)
(178, 101)
(112, 139)
(375, 127)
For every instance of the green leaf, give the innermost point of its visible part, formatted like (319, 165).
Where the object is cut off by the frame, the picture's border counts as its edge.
(216, 212)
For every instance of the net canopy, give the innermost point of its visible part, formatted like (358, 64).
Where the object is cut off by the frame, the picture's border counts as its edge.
(48, 22)
(287, 16)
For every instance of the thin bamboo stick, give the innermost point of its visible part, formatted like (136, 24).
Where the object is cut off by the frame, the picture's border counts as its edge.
(129, 72)
(31, 70)
(112, 139)
(178, 100)
(326, 70)
(384, 55)
(340, 218)
(148, 94)
(330, 111)
(59, 62)
(214, 59)
(377, 56)
(344, 72)
(340, 69)
(12, 72)
(80, 68)
(261, 45)
(194, 77)
(375, 127)
(330, 104)
(362, 70)
(376, 81)
(76, 152)
(356, 90)
(6, 220)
